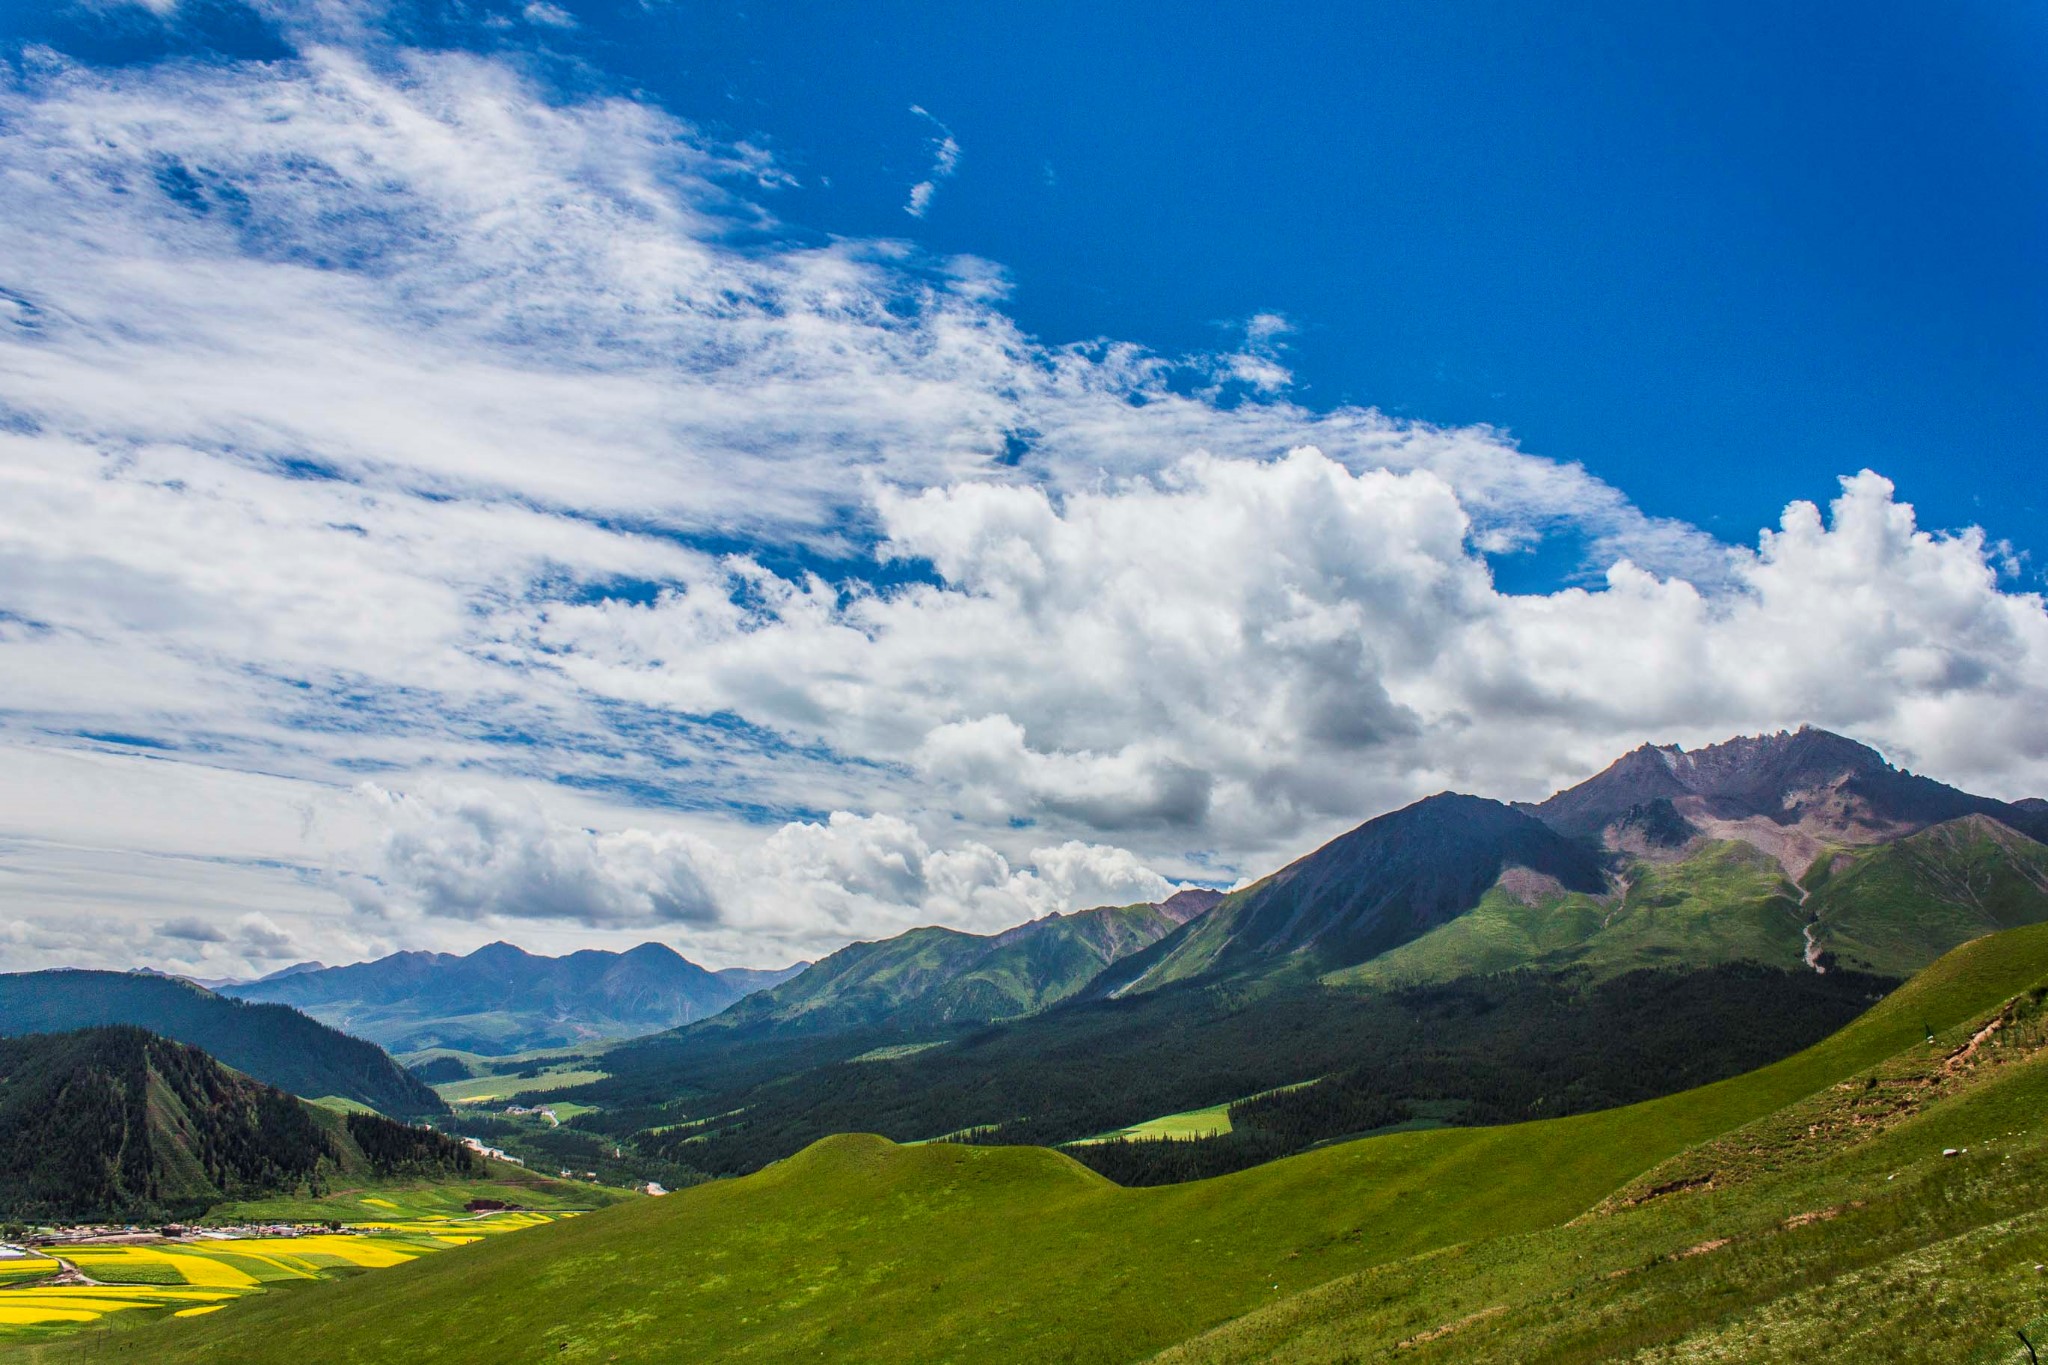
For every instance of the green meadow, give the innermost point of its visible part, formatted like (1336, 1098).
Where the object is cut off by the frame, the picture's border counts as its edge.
(1213, 1121)
(1509, 1243)
(490, 1089)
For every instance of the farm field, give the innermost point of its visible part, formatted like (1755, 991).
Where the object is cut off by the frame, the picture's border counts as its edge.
(393, 1223)
(1553, 1240)
(189, 1279)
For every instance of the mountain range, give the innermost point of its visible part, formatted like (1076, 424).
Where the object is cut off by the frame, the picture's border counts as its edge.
(273, 1044)
(1678, 916)
(501, 999)
(937, 977)
(1719, 854)
(1668, 856)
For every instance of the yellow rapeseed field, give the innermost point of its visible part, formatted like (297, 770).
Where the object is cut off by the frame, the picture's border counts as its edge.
(195, 1278)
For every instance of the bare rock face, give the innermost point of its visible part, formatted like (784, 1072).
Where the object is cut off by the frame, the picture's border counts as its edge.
(1183, 906)
(1792, 794)
(1528, 886)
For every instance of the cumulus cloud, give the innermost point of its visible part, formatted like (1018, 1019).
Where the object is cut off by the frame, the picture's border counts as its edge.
(805, 887)
(1243, 650)
(397, 418)
(192, 929)
(470, 855)
(869, 876)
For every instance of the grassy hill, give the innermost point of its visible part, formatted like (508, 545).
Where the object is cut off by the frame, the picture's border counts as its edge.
(273, 1043)
(120, 1123)
(932, 978)
(1726, 902)
(1897, 905)
(858, 1249)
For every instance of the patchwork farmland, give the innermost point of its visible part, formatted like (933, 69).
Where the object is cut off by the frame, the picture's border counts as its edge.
(61, 1288)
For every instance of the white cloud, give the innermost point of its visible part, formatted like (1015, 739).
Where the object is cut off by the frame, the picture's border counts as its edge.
(945, 150)
(394, 419)
(805, 888)
(548, 16)
(192, 929)
(470, 855)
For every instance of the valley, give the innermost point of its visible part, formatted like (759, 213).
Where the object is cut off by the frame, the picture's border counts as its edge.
(1472, 1081)
(1510, 1243)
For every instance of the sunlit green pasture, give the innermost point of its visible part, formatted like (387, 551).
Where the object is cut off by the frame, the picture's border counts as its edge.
(1192, 1123)
(488, 1089)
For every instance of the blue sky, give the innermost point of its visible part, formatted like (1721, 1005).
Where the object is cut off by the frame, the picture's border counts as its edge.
(1714, 252)
(762, 476)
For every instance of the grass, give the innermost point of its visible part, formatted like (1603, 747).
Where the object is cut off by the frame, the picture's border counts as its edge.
(858, 1248)
(895, 1050)
(488, 1089)
(483, 1062)
(564, 1110)
(1823, 1235)
(1193, 1123)
(1891, 907)
(383, 1201)
(1728, 902)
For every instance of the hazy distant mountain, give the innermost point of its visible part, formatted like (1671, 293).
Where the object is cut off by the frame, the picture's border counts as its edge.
(935, 976)
(296, 969)
(502, 999)
(119, 1123)
(273, 1043)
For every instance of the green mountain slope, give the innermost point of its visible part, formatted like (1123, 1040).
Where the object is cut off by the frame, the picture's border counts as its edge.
(934, 977)
(861, 1250)
(276, 1045)
(1726, 902)
(119, 1123)
(1490, 1050)
(1391, 880)
(1902, 1215)
(1889, 909)
(1901, 904)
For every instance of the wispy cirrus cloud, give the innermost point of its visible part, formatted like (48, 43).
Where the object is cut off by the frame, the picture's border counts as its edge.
(945, 150)
(399, 419)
